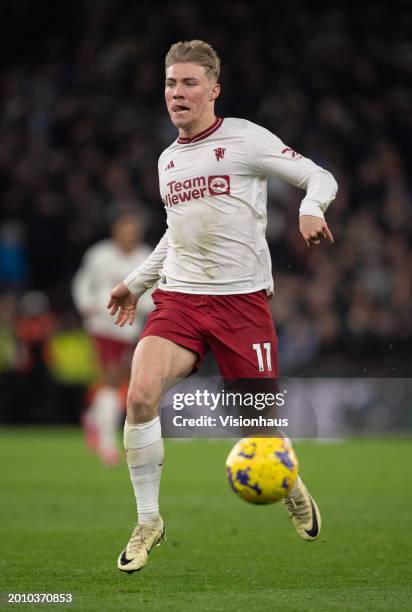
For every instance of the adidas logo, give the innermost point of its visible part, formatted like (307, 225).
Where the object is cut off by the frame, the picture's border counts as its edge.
(170, 165)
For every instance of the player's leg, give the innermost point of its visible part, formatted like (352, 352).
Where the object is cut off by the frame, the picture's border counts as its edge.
(247, 349)
(155, 359)
(90, 416)
(103, 416)
(107, 416)
(112, 399)
(88, 420)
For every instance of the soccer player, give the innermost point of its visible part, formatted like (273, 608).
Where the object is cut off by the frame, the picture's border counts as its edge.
(104, 264)
(214, 272)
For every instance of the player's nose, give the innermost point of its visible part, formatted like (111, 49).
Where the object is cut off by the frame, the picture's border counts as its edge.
(178, 91)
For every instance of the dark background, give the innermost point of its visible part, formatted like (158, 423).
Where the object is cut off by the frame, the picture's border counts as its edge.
(82, 124)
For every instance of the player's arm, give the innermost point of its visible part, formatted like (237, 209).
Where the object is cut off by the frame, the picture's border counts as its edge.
(270, 156)
(321, 189)
(125, 296)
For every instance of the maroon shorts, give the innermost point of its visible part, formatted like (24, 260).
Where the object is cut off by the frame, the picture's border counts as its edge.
(112, 351)
(238, 329)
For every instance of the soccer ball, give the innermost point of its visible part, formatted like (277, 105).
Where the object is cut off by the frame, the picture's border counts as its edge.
(262, 470)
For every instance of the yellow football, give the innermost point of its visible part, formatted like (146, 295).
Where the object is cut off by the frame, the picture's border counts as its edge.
(262, 470)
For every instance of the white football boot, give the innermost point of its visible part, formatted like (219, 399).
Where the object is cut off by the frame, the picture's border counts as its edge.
(144, 538)
(303, 511)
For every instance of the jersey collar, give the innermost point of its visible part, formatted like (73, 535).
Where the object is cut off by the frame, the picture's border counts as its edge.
(207, 132)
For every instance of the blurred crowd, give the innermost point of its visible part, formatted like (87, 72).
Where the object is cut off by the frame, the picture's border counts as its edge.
(83, 122)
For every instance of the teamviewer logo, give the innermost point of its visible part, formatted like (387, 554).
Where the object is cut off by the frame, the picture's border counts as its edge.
(218, 185)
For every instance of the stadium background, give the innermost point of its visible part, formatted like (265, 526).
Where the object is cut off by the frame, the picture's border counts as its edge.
(83, 122)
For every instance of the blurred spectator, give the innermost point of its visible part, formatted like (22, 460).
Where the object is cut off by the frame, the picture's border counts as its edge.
(70, 353)
(33, 324)
(8, 341)
(13, 262)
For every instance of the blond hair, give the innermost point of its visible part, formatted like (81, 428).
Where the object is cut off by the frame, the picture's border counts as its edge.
(194, 52)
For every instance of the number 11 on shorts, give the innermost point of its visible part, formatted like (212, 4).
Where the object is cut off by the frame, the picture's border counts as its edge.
(259, 353)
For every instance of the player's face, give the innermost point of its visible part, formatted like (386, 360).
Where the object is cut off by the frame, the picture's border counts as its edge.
(190, 96)
(127, 233)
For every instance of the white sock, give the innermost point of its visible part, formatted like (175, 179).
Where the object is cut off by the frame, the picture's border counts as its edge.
(90, 415)
(144, 453)
(106, 411)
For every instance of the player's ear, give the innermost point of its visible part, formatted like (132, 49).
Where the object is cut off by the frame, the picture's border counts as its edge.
(214, 92)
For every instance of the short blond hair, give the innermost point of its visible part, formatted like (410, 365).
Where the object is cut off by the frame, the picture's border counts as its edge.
(194, 52)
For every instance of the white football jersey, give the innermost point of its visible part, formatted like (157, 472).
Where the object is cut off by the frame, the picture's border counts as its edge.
(214, 189)
(103, 267)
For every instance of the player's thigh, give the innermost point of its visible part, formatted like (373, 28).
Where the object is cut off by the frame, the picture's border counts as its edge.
(156, 364)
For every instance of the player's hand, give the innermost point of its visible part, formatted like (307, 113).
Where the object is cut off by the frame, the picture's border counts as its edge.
(123, 303)
(313, 229)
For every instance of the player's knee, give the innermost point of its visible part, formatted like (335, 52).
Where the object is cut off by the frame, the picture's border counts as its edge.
(141, 404)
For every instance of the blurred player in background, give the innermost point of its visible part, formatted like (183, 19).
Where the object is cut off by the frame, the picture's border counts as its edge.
(103, 265)
(214, 271)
